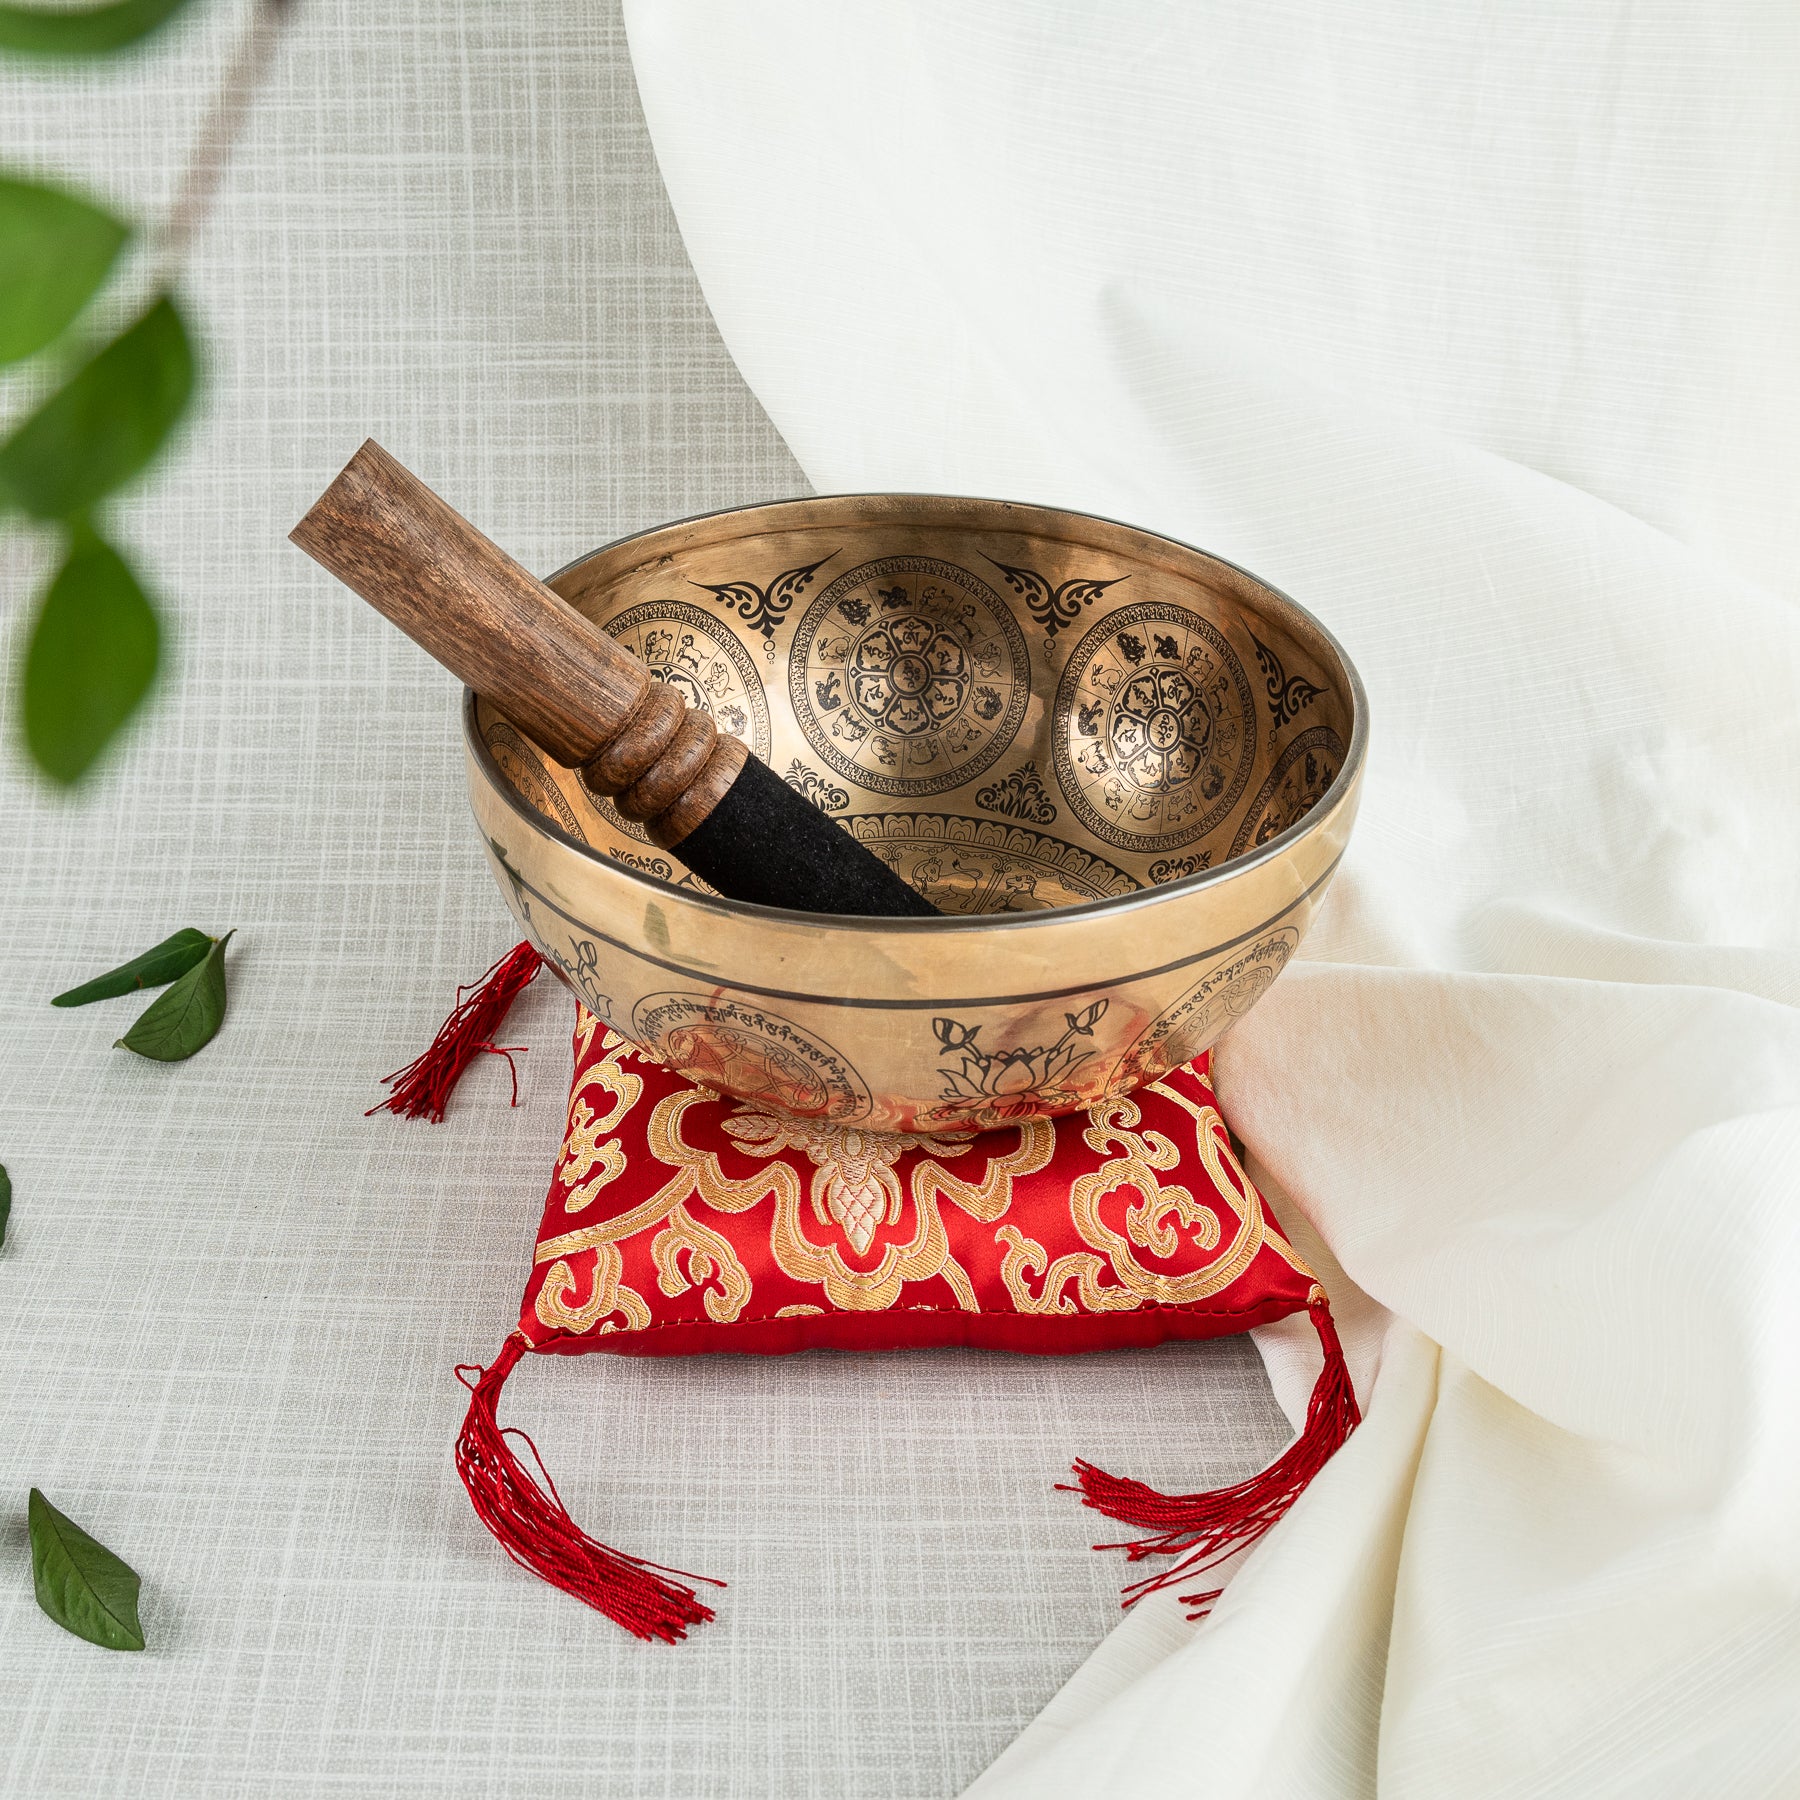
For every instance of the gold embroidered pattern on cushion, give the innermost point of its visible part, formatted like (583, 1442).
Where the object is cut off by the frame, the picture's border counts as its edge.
(666, 1146)
(712, 1266)
(853, 1184)
(588, 1143)
(833, 1262)
(926, 1255)
(799, 1256)
(607, 1296)
(857, 1215)
(1026, 1256)
(1227, 1159)
(1152, 1223)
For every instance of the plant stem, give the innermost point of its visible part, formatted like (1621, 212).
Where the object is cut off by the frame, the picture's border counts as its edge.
(219, 133)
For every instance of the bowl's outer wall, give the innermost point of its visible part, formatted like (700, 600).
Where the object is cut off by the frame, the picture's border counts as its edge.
(1018, 707)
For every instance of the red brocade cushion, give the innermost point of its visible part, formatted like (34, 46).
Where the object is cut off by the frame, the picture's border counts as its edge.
(678, 1222)
(681, 1222)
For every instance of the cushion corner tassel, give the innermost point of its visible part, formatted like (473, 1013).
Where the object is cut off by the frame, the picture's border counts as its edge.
(664, 1233)
(520, 1506)
(1203, 1529)
(423, 1088)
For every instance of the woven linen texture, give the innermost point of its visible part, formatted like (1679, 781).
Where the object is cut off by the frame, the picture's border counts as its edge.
(229, 1305)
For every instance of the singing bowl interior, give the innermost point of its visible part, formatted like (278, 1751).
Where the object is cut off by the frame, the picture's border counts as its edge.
(1124, 769)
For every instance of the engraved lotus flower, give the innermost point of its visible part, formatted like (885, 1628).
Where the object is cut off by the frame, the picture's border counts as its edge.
(909, 675)
(1160, 730)
(1018, 1082)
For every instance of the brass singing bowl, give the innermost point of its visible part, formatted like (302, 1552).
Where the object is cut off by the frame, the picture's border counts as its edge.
(1125, 770)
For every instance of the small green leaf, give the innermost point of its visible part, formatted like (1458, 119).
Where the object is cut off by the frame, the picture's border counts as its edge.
(187, 1017)
(91, 659)
(5, 1201)
(105, 423)
(80, 1583)
(155, 968)
(55, 251)
(90, 31)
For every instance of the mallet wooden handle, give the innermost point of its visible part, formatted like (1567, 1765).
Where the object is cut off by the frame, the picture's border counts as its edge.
(563, 681)
(584, 698)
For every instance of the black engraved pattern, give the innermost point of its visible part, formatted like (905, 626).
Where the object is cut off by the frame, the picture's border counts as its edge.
(583, 971)
(552, 934)
(909, 676)
(645, 865)
(1289, 695)
(827, 796)
(530, 779)
(1297, 783)
(1173, 868)
(763, 609)
(967, 866)
(703, 661)
(1203, 1014)
(1054, 609)
(989, 1087)
(1154, 728)
(659, 867)
(1019, 795)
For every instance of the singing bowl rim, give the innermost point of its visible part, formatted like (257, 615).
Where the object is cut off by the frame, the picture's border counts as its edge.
(1344, 784)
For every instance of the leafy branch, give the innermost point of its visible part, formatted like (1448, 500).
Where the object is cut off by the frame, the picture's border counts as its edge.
(96, 642)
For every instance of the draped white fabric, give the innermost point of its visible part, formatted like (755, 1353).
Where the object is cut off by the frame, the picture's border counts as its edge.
(1473, 328)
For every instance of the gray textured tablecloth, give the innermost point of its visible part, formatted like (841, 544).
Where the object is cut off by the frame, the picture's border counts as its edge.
(230, 1305)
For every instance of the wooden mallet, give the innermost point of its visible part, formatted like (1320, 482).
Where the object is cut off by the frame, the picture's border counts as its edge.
(585, 700)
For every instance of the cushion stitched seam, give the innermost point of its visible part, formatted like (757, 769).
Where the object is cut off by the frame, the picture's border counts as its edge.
(1192, 1310)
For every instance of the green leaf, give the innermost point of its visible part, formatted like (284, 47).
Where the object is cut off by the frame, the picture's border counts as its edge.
(55, 251)
(186, 1018)
(105, 423)
(91, 31)
(91, 659)
(156, 967)
(5, 1201)
(80, 1583)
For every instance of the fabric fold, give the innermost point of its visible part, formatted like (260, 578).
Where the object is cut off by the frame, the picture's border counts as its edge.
(1470, 331)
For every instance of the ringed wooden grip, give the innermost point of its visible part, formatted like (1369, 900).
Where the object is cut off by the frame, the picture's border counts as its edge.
(569, 686)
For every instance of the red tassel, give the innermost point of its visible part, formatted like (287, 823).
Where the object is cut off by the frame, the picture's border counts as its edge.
(1204, 1529)
(423, 1087)
(525, 1512)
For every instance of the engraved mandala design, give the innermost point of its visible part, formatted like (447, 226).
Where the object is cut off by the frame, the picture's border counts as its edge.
(735, 1048)
(968, 866)
(705, 663)
(524, 768)
(909, 676)
(1155, 728)
(1207, 1011)
(1297, 783)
